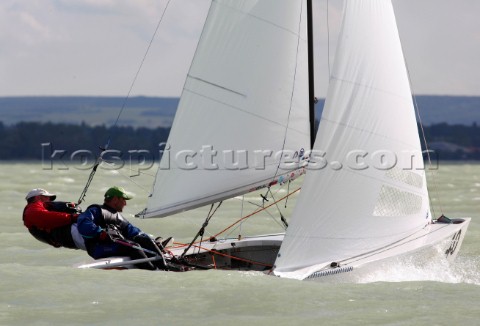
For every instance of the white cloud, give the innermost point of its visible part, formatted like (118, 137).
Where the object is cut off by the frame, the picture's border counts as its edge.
(94, 47)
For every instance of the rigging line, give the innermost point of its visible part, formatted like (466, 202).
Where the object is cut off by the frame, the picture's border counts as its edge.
(89, 181)
(262, 206)
(427, 151)
(328, 41)
(129, 177)
(293, 92)
(233, 257)
(204, 226)
(253, 213)
(260, 209)
(241, 213)
(312, 100)
(282, 218)
(99, 159)
(288, 190)
(141, 63)
(424, 138)
(282, 226)
(202, 229)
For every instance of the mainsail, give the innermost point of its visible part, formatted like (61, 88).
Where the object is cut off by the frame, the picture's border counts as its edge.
(366, 188)
(242, 120)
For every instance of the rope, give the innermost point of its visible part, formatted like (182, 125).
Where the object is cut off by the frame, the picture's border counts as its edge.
(130, 177)
(99, 159)
(424, 138)
(328, 42)
(282, 218)
(232, 257)
(194, 244)
(245, 217)
(90, 178)
(202, 229)
(288, 190)
(141, 63)
(256, 212)
(292, 94)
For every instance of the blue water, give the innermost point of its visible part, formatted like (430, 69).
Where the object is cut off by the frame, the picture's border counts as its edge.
(39, 285)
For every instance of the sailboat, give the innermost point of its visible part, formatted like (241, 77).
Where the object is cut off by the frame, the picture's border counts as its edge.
(243, 124)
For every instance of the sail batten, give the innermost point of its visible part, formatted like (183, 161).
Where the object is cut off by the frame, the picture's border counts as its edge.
(242, 119)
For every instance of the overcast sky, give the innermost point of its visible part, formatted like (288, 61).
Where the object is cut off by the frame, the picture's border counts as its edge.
(94, 47)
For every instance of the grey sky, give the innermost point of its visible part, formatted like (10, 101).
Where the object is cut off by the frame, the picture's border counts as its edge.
(94, 47)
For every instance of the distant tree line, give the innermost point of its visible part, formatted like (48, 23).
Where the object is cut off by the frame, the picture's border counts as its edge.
(454, 142)
(37, 141)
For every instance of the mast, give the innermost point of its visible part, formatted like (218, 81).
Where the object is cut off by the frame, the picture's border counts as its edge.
(311, 72)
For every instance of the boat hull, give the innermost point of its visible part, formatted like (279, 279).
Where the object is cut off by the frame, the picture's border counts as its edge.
(259, 254)
(444, 239)
(250, 253)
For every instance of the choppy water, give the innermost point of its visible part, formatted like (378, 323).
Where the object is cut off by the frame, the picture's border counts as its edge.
(40, 286)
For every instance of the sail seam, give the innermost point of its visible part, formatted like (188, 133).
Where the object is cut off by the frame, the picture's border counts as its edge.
(346, 125)
(391, 182)
(257, 18)
(216, 85)
(408, 99)
(241, 110)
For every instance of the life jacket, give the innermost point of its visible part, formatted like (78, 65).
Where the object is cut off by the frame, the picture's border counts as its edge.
(61, 236)
(113, 222)
(110, 219)
(63, 207)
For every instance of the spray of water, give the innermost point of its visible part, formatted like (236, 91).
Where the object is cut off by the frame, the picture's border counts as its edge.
(429, 266)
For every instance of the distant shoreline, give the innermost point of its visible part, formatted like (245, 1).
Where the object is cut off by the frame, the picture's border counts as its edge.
(151, 112)
(63, 141)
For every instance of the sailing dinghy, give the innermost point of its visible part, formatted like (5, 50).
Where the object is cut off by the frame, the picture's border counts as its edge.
(364, 198)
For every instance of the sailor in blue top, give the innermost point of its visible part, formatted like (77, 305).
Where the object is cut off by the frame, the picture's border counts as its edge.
(100, 225)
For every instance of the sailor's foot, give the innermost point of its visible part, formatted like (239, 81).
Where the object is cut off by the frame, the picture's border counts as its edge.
(163, 243)
(178, 268)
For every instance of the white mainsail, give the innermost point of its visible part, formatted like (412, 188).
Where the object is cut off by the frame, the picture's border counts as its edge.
(245, 101)
(372, 190)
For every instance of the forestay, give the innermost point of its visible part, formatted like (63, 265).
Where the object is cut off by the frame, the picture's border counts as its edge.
(372, 190)
(245, 100)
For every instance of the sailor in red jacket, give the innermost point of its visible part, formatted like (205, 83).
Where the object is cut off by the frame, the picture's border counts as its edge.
(58, 229)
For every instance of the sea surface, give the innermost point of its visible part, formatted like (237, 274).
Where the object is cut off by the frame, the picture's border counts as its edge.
(40, 285)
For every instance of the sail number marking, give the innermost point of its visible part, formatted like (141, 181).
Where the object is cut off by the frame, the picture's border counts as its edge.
(453, 243)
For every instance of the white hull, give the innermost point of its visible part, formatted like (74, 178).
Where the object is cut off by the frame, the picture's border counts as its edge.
(249, 253)
(259, 253)
(108, 263)
(448, 237)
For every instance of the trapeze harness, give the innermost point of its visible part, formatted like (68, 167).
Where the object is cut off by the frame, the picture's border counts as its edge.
(57, 237)
(114, 222)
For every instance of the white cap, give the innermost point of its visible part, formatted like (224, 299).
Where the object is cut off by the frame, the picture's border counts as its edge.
(40, 192)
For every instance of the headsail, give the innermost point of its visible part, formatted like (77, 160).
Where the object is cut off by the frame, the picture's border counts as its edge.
(372, 190)
(245, 101)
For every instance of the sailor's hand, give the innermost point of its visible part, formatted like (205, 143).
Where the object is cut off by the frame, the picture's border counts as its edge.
(73, 218)
(103, 236)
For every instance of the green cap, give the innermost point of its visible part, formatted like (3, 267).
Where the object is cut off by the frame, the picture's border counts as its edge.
(117, 192)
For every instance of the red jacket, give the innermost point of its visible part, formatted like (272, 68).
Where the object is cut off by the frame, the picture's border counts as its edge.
(36, 215)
